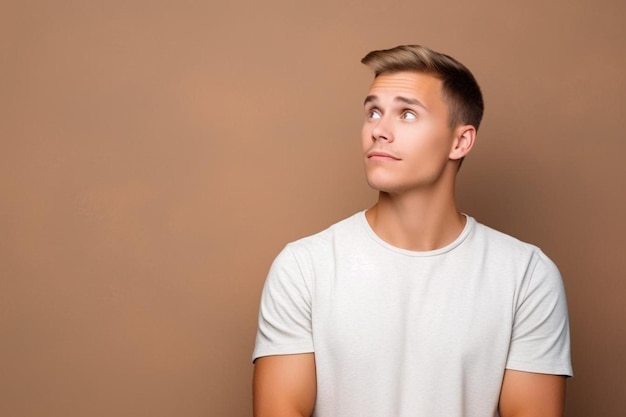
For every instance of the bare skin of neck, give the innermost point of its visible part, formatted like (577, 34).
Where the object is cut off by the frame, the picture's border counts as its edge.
(419, 220)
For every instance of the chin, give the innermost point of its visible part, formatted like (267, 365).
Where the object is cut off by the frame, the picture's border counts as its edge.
(393, 186)
(384, 186)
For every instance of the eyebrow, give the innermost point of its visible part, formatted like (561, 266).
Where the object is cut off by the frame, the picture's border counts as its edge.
(401, 99)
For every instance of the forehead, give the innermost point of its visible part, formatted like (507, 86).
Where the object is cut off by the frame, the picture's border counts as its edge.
(415, 84)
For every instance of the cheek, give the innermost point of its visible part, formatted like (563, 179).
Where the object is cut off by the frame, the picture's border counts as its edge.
(428, 144)
(437, 134)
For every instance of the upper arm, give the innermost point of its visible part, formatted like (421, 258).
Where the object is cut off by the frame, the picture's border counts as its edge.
(284, 385)
(527, 394)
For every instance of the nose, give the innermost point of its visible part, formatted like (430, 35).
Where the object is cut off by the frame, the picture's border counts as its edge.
(382, 130)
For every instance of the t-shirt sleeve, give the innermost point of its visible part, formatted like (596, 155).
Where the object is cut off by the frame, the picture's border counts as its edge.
(541, 340)
(285, 310)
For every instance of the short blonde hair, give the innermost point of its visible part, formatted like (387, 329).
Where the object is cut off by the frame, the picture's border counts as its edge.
(460, 89)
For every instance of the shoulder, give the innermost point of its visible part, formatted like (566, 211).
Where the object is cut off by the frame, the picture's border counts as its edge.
(508, 253)
(325, 240)
(320, 248)
(506, 245)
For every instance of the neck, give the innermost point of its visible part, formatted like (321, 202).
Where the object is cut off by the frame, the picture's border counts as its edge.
(420, 221)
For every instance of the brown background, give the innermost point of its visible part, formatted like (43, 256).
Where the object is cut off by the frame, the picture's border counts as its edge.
(155, 157)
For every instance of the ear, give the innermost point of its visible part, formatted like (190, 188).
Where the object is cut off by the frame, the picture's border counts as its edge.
(464, 137)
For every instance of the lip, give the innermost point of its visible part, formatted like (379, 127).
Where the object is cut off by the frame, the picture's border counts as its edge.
(381, 156)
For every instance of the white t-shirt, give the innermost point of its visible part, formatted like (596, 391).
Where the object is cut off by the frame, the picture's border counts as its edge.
(402, 333)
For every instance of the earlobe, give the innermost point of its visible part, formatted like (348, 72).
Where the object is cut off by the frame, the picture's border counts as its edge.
(463, 142)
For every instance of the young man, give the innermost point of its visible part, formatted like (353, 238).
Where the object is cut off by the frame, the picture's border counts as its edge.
(411, 308)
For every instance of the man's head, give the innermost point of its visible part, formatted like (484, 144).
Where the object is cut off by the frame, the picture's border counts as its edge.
(421, 115)
(459, 87)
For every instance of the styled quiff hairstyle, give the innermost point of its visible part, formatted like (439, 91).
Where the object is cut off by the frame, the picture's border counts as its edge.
(460, 89)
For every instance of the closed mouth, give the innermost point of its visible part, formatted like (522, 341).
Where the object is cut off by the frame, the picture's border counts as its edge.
(382, 155)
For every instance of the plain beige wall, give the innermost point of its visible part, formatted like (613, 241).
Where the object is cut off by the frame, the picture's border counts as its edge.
(155, 157)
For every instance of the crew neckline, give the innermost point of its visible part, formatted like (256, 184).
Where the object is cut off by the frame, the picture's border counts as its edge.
(469, 226)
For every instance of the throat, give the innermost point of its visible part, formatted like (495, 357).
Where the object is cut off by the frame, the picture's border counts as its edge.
(416, 230)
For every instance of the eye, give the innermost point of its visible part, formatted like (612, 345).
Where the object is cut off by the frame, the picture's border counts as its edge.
(409, 115)
(373, 114)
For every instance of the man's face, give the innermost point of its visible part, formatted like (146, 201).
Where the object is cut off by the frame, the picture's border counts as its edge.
(406, 136)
